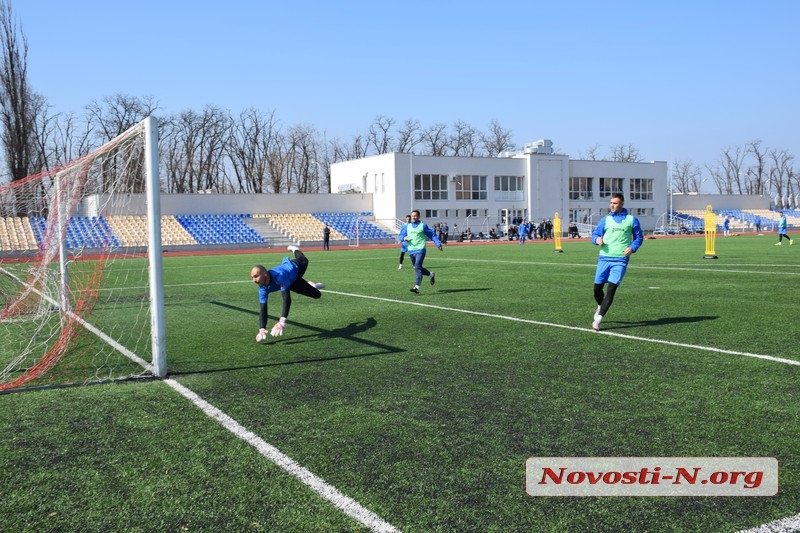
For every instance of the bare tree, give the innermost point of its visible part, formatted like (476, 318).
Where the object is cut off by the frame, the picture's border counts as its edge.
(17, 113)
(109, 118)
(497, 139)
(380, 136)
(465, 140)
(194, 151)
(434, 138)
(116, 114)
(720, 179)
(43, 128)
(358, 147)
(249, 144)
(408, 136)
(756, 174)
(304, 167)
(686, 176)
(731, 165)
(626, 153)
(591, 153)
(780, 176)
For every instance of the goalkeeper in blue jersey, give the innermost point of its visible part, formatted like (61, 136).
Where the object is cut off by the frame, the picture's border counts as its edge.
(286, 278)
(619, 235)
(416, 234)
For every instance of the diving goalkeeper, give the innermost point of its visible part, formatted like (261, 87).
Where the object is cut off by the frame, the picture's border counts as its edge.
(287, 278)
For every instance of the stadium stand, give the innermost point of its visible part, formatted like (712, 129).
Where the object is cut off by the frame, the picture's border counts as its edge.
(16, 234)
(220, 229)
(25, 233)
(82, 232)
(300, 226)
(353, 225)
(131, 230)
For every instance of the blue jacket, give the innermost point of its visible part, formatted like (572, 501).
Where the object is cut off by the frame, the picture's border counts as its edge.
(281, 278)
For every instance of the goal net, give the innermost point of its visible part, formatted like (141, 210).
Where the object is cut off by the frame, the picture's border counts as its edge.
(74, 306)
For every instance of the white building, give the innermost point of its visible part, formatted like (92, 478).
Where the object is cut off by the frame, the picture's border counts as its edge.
(485, 192)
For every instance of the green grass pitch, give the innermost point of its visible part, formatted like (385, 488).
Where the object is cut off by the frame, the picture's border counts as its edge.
(423, 408)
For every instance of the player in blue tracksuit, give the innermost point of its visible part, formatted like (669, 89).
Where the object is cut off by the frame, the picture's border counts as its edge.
(286, 278)
(782, 230)
(416, 234)
(619, 235)
(403, 245)
(523, 232)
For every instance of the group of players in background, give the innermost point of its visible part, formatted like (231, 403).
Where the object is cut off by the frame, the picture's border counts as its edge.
(619, 235)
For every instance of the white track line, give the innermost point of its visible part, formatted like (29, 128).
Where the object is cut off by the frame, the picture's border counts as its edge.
(349, 506)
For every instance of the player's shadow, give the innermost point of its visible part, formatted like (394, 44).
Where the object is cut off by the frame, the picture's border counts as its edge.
(450, 291)
(348, 332)
(663, 321)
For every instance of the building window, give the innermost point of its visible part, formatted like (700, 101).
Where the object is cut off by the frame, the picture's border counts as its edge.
(430, 187)
(642, 211)
(580, 188)
(641, 189)
(580, 216)
(431, 213)
(609, 186)
(471, 188)
(508, 188)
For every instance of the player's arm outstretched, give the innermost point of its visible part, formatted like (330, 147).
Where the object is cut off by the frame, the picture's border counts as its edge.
(277, 329)
(432, 236)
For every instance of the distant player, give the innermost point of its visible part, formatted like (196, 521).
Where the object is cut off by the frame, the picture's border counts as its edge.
(403, 244)
(417, 233)
(619, 235)
(782, 231)
(523, 232)
(287, 278)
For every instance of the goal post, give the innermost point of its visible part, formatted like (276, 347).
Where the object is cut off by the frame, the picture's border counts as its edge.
(157, 323)
(76, 305)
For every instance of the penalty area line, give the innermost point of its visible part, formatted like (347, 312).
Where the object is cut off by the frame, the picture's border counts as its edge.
(575, 328)
(349, 506)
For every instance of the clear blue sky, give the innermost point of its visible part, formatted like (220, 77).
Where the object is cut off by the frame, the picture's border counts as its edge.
(678, 80)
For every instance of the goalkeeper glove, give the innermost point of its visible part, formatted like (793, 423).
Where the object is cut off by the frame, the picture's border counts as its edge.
(277, 329)
(262, 334)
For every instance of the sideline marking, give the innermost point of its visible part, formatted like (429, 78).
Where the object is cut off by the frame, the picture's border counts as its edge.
(347, 505)
(782, 525)
(574, 328)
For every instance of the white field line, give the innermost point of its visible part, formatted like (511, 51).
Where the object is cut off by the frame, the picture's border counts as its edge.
(349, 506)
(369, 519)
(108, 340)
(783, 525)
(573, 328)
